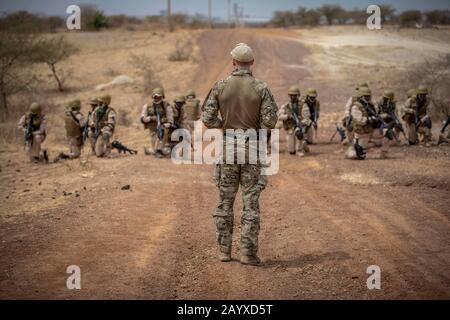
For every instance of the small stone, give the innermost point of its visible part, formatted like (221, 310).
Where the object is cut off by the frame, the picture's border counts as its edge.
(126, 187)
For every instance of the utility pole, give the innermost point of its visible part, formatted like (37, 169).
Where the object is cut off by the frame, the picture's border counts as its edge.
(169, 15)
(210, 13)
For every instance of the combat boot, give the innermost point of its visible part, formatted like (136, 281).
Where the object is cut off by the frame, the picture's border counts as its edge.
(159, 154)
(253, 260)
(224, 257)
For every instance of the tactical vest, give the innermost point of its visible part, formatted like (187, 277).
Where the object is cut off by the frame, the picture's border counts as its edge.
(191, 109)
(73, 129)
(312, 109)
(422, 107)
(177, 115)
(357, 126)
(240, 103)
(290, 123)
(159, 108)
(37, 121)
(103, 118)
(388, 107)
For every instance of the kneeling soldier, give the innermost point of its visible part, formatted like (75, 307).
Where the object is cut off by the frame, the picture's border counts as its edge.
(158, 118)
(102, 124)
(34, 125)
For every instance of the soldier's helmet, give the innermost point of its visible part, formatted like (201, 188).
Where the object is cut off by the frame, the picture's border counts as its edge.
(242, 53)
(179, 99)
(389, 94)
(158, 92)
(361, 84)
(35, 108)
(422, 90)
(105, 99)
(364, 92)
(74, 105)
(311, 92)
(411, 92)
(190, 93)
(294, 91)
(93, 101)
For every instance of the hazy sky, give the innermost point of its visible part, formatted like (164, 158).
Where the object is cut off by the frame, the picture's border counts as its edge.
(257, 8)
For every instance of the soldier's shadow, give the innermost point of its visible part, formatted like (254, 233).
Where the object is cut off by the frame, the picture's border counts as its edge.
(307, 259)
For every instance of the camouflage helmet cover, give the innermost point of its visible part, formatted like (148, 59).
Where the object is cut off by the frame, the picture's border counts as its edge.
(311, 92)
(294, 90)
(94, 101)
(364, 91)
(242, 53)
(106, 99)
(389, 94)
(179, 99)
(422, 90)
(35, 108)
(74, 105)
(411, 92)
(361, 84)
(190, 93)
(158, 92)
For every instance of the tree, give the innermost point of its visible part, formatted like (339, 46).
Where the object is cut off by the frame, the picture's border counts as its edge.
(15, 52)
(332, 13)
(438, 16)
(51, 52)
(387, 13)
(410, 18)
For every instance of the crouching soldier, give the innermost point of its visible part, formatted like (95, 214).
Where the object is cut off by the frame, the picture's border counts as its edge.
(33, 124)
(102, 123)
(366, 126)
(387, 110)
(415, 115)
(313, 105)
(296, 121)
(179, 117)
(75, 123)
(158, 118)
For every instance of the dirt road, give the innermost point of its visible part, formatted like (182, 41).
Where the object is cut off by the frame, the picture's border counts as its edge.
(324, 219)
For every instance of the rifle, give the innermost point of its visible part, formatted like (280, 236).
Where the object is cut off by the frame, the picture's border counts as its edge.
(299, 128)
(29, 130)
(398, 124)
(85, 129)
(379, 121)
(341, 132)
(121, 148)
(360, 152)
(159, 126)
(100, 114)
(445, 125)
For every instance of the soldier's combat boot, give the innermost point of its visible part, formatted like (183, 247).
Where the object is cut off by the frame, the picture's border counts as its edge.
(251, 260)
(224, 257)
(159, 154)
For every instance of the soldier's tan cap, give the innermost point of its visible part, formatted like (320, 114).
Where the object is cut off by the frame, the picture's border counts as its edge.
(242, 53)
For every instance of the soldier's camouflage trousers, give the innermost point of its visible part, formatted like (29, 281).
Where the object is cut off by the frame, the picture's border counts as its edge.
(75, 148)
(423, 133)
(363, 141)
(228, 178)
(33, 147)
(103, 144)
(294, 145)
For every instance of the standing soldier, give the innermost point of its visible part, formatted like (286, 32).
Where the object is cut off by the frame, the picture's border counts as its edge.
(192, 111)
(415, 115)
(296, 121)
(158, 118)
(387, 110)
(34, 125)
(102, 124)
(74, 121)
(243, 103)
(366, 126)
(347, 121)
(313, 105)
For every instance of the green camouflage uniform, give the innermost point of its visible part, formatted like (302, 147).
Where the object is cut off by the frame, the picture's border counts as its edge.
(244, 103)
